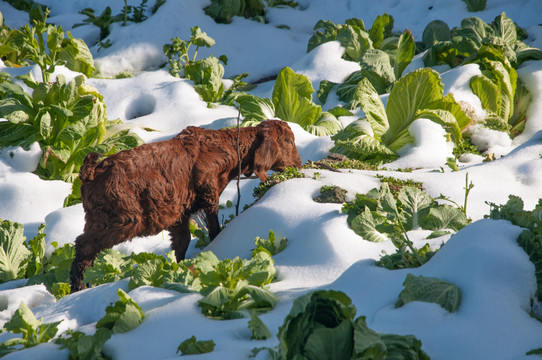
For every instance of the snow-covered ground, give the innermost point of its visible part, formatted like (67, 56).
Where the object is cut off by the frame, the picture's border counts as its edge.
(495, 276)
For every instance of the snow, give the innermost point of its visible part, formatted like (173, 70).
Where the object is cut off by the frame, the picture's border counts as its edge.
(495, 276)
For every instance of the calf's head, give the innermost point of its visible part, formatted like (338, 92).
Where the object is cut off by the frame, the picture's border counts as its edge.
(276, 148)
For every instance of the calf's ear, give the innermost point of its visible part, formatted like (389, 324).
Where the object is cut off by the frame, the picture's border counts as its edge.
(265, 154)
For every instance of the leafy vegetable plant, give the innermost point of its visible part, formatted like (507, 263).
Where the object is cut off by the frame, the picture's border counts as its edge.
(531, 238)
(455, 46)
(33, 331)
(274, 179)
(496, 88)
(120, 317)
(381, 68)
(291, 101)
(19, 259)
(270, 245)
(384, 130)
(102, 21)
(382, 54)
(321, 325)
(82, 346)
(475, 5)
(206, 73)
(54, 270)
(28, 44)
(354, 36)
(222, 11)
(14, 255)
(230, 286)
(67, 119)
(109, 266)
(395, 184)
(377, 216)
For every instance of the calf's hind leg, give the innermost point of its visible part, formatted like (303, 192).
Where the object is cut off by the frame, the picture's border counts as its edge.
(91, 243)
(85, 253)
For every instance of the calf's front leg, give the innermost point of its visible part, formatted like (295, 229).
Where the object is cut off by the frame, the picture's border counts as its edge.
(180, 237)
(208, 198)
(213, 226)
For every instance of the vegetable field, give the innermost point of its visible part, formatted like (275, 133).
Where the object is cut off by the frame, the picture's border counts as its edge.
(412, 231)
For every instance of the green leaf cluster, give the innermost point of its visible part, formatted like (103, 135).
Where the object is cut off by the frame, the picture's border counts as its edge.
(378, 216)
(192, 346)
(14, 254)
(475, 5)
(84, 347)
(52, 271)
(382, 54)
(228, 286)
(396, 184)
(274, 179)
(25, 5)
(321, 325)
(33, 331)
(45, 45)
(384, 130)
(530, 239)
(109, 266)
(428, 289)
(67, 119)
(102, 21)
(292, 102)
(354, 36)
(270, 245)
(405, 259)
(232, 286)
(331, 194)
(501, 92)
(223, 11)
(19, 259)
(142, 269)
(206, 73)
(455, 46)
(155, 270)
(345, 163)
(120, 317)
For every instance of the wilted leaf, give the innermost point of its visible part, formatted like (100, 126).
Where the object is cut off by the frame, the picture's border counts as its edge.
(258, 328)
(192, 347)
(427, 289)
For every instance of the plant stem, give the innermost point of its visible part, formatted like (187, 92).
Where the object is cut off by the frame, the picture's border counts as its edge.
(468, 188)
(195, 53)
(409, 243)
(238, 161)
(125, 12)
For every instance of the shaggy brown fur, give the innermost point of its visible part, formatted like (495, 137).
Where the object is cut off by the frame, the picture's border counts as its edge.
(157, 186)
